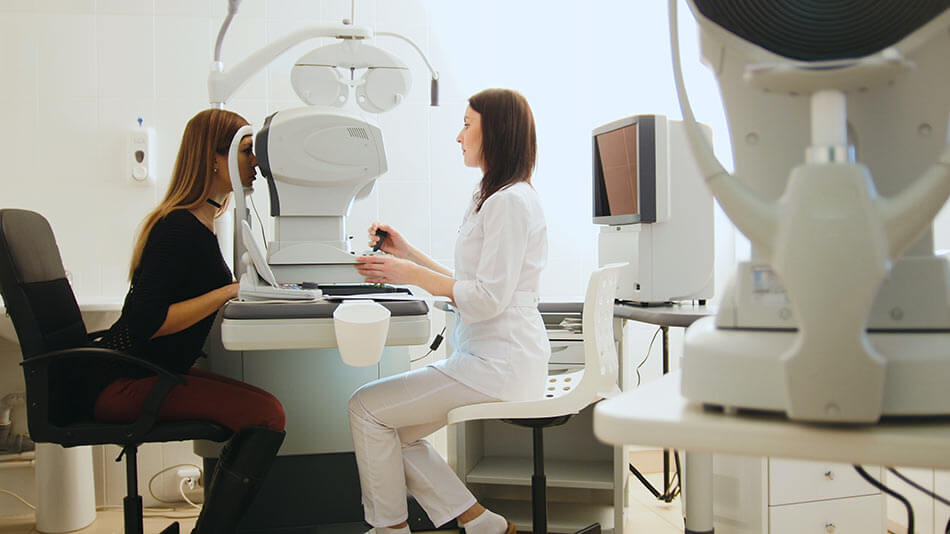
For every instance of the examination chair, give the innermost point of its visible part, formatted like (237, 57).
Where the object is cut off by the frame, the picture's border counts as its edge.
(50, 329)
(567, 394)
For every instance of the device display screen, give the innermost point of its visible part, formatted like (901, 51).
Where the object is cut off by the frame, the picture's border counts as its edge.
(618, 160)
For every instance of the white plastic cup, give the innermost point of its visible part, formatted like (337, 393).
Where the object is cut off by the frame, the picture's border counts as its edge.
(361, 328)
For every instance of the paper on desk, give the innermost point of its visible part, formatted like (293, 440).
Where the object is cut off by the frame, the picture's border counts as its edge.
(388, 296)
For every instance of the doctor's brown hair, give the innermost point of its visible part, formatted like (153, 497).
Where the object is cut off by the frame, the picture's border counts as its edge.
(509, 142)
(208, 133)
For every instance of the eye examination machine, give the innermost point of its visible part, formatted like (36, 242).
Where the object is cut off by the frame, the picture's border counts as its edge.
(656, 214)
(305, 327)
(838, 120)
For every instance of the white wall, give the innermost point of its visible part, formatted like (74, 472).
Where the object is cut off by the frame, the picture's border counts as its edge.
(78, 73)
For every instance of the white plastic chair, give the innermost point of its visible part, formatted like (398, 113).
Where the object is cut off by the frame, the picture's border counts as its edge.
(566, 394)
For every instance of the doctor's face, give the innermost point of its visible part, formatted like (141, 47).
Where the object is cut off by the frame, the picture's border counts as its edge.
(471, 138)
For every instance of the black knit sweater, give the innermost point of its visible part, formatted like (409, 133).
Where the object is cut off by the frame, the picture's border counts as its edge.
(181, 260)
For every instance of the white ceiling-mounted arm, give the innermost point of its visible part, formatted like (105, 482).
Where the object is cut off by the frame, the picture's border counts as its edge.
(223, 84)
(434, 86)
(755, 217)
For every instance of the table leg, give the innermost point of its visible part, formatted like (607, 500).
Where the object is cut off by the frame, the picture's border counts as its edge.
(698, 493)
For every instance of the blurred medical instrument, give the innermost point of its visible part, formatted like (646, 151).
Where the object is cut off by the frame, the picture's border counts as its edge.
(319, 158)
(657, 215)
(843, 312)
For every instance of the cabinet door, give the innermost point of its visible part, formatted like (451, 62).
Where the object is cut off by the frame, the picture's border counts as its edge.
(794, 481)
(923, 505)
(941, 511)
(853, 515)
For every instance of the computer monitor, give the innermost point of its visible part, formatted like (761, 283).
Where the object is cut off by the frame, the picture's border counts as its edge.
(625, 171)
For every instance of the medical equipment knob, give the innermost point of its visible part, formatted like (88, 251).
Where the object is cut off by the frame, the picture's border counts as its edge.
(830, 528)
(830, 475)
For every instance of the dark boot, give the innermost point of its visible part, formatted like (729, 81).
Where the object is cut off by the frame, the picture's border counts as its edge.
(241, 469)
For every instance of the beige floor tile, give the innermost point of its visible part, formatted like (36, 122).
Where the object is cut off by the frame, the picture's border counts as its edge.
(642, 516)
(108, 521)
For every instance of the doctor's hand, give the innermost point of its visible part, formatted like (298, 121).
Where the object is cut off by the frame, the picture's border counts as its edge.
(386, 269)
(394, 243)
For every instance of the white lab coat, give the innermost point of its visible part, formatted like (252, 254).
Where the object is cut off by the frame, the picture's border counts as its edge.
(501, 348)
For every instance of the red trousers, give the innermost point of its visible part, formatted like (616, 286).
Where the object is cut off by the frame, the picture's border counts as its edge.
(207, 396)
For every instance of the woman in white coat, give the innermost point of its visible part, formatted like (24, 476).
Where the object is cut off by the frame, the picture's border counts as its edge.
(501, 350)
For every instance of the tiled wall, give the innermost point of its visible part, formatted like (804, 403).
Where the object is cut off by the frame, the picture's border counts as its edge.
(76, 74)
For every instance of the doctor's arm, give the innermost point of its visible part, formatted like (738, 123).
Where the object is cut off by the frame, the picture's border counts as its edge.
(392, 270)
(394, 243)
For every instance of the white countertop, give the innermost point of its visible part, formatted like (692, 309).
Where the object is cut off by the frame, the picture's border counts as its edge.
(657, 414)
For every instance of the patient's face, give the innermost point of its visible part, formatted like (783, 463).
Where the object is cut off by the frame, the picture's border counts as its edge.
(247, 165)
(247, 161)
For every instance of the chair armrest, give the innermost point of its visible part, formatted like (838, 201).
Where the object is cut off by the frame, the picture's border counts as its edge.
(149, 415)
(42, 360)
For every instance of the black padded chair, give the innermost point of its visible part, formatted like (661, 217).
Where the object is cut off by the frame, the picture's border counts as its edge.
(53, 338)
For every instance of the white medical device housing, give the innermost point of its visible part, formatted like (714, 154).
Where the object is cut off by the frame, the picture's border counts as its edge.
(838, 121)
(319, 159)
(657, 214)
(316, 161)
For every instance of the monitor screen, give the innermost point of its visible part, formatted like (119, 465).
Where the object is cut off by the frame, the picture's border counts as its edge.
(624, 171)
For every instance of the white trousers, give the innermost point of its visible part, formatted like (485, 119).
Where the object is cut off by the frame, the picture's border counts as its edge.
(388, 419)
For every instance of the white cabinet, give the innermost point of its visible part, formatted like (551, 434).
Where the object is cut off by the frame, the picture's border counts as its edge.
(941, 511)
(778, 496)
(930, 516)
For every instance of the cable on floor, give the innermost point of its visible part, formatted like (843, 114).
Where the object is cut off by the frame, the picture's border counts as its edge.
(17, 497)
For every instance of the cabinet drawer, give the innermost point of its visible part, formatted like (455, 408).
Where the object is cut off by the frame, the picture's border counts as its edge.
(571, 352)
(854, 515)
(795, 481)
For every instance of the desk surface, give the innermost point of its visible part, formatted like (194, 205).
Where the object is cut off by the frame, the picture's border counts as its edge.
(656, 414)
(669, 315)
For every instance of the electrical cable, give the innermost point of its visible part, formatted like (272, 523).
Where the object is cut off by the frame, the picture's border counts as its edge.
(647, 355)
(181, 490)
(260, 223)
(156, 475)
(918, 487)
(877, 484)
(434, 345)
(17, 497)
(153, 511)
(923, 490)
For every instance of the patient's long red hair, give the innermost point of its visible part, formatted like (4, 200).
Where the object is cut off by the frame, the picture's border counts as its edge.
(208, 133)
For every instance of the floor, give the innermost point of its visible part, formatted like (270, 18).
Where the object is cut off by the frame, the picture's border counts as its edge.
(644, 515)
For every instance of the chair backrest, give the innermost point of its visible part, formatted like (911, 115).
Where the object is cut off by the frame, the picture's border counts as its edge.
(569, 393)
(42, 306)
(601, 364)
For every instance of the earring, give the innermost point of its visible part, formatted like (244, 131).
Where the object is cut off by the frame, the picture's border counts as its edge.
(216, 170)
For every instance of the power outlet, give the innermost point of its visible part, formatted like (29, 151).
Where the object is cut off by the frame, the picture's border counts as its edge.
(191, 476)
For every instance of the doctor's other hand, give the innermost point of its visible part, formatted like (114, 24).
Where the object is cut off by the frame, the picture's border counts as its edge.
(394, 243)
(386, 269)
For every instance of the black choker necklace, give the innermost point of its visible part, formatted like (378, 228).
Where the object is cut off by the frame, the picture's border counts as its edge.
(213, 203)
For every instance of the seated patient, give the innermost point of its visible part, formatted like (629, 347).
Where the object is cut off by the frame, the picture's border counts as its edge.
(179, 281)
